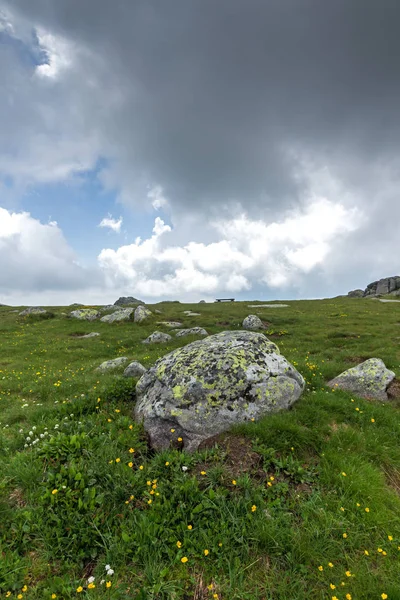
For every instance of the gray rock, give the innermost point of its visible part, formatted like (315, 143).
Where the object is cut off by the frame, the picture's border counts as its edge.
(85, 314)
(369, 379)
(135, 369)
(384, 286)
(108, 307)
(127, 300)
(356, 293)
(387, 300)
(202, 302)
(252, 323)
(141, 314)
(189, 313)
(211, 384)
(32, 310)
(123, 314)
(191, 331)
(170, 323)
(88, 335)
(158, 337)
(158, 312)
(107, 365)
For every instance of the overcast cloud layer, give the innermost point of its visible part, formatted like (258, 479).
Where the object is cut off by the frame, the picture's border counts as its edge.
(267, 131)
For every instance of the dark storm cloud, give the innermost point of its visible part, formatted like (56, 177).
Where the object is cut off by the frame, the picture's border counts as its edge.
(217, 92)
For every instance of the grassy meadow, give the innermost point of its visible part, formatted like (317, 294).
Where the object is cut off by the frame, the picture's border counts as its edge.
(300, 505)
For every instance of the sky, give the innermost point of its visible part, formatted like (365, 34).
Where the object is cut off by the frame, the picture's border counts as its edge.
(197, 150)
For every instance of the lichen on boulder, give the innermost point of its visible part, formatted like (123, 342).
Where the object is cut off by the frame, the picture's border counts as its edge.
(85, 314)
(207, 386)
(370, 379)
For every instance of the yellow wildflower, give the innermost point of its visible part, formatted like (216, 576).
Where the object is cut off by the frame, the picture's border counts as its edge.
(390, 538)
(344, 474)
(366, 552)
(54, 492)
(79, 589)
(372, 420)
(180, 439)
(91, 586)
(141, 467)
(203, 473)
(253, 508)
(179, 544)
(53, 596)
(131, 450)
(25, 588)
(108, 584)
(167, 464)
(184, 559)
(348, 596)
(233, 481)
(332, 586)
(130, 426)
(130, 464)
(330, 565)
(172, 430)
(348, 573)
(366, 509)
(190, 526)
(117, 460)
(345, 535)
(320, 568)
(384, 596)
(206, 552)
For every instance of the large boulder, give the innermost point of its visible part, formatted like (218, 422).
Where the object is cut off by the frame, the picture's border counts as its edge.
(207, 386)
(356, 293)
(114, 363)
(85, 314)
(141, 314)
(123, 314)
(158, 337)
(252, 323)
(135, 369)
(127, 300)
(369, 379)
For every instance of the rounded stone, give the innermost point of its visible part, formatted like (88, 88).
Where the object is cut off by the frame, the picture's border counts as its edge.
(252, 323)
(207, 386)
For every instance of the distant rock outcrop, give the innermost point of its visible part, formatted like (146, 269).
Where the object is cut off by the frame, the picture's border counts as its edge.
(387, 285)
(127, 300)
(382, 287)
(356, 294)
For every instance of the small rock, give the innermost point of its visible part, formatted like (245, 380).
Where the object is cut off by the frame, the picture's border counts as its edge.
(158, 337)
(85, 314)
(141, 314)
(111, 364)
(123, 314)
(189, 313)
(134, 369)
(158, 312)
(88, 335)
(370, 379)
(191, 331)
(202, 302)
(170, 323)
(252, 323)
(33, 310)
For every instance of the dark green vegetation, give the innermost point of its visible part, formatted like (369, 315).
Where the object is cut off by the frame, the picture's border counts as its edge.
(301, 505)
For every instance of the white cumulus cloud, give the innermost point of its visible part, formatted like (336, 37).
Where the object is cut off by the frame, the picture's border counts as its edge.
(111, 223)
(248, 252)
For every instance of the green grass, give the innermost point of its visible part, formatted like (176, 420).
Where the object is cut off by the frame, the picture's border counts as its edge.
(271, 524)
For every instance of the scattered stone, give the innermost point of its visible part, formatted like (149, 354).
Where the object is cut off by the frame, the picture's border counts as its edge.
(189, 313)
(387, 300)
(356, 294)
(267, 305)
(85, 314)
(108, 307)
(158, 312)
(202, 302)
(127, 300)
(207, 386)
(158, 337)
(123, 314)
(191, 331)
(88, 335)
(170, 323)
(252, 323)
(370, 379)
(135, 369)
(112, 364)
(32, 310)
(141, 314)
(75, 304)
